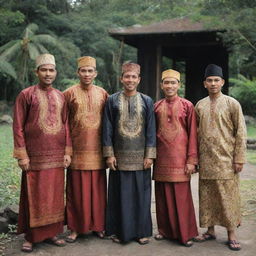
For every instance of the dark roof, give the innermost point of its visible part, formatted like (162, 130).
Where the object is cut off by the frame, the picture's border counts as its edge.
(177, 25)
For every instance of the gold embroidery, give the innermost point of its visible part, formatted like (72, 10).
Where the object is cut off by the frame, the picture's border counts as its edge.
(169, 129)
(218, 205)
(90, 107)
(150, 152)
(130, 160)
(20, 153)
(49, 120)
(130, 123)
(108, 151)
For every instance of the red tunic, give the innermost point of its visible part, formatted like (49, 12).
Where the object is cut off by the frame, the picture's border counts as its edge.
(176, 139)
(40, 127)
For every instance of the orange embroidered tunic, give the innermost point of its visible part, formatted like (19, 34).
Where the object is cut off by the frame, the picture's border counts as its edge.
(176, 139)
(85, 118)
(40, 128)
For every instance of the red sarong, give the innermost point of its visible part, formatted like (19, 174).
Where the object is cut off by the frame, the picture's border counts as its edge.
(41, 213)
(86, 200)
(175, 211)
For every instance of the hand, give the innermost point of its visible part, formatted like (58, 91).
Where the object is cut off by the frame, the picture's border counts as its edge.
(147, 163)
(24, 164)
(111, 163)
(67, 161)
(237, 167)
(190, 169)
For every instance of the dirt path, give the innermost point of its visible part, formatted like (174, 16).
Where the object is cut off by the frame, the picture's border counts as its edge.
(92, 246)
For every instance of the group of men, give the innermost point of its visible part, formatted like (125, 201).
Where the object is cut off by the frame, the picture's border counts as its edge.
(86, 131)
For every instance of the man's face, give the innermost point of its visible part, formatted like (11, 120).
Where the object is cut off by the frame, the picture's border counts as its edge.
(86, 75)
(130, 81)
(46, 74)
(214, 84)
(170, 87)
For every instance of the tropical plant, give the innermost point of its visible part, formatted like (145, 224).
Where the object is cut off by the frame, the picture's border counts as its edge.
(22, 51)
(244, 90)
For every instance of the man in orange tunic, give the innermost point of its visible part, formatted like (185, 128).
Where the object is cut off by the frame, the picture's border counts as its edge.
(42, 146)
(175, 162)
(86, 177)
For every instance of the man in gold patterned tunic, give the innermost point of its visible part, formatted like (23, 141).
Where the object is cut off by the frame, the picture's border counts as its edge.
(222, 137)
(42, 146)
(86, 177)
(129, 140)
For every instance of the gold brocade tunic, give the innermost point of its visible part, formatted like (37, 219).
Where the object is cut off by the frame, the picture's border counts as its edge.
(85, 119)
(221, 136)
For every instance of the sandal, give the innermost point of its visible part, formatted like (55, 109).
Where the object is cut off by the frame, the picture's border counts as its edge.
(99, 234)
(115, 239)
(159, 237)
(143, 241)
(234, 245)
(204, 237)
(70, 238)
(27, 247)
(56, 241)
(189, 243)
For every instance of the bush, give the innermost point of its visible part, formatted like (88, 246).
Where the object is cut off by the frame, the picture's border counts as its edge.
(244, 90)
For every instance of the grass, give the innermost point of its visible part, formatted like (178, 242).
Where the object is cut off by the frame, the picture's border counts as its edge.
(9, 171)
(251, 131)
(251, 156)
(248, 195)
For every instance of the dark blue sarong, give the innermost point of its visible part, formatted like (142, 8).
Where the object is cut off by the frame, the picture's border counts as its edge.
(129, 201)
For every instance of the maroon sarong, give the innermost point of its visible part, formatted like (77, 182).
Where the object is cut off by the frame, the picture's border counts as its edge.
(86, 200)
(41, 213)
(175, 211)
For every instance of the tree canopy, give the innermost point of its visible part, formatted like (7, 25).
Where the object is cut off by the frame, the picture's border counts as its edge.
(73, 28)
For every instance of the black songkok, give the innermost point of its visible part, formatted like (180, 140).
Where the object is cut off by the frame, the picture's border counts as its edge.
(213, 70)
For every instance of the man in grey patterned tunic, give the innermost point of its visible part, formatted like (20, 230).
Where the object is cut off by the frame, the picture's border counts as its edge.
(129, 147)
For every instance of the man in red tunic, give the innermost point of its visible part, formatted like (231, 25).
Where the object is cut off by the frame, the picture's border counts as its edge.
(175, 162)
(86, 177)
(42, 146)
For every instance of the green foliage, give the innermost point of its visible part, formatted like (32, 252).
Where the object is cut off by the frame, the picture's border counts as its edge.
(251, 132)
(7, 69)
(71, 29)
(248, 195)
(9, 171)
(244, 90)
(251, 156)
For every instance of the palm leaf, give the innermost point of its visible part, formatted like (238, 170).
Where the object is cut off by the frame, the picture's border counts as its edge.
(44, 39)
(7, 68)
(30, 30)
(9, 53)
(8, 45)
(33, 51)
(41, 48)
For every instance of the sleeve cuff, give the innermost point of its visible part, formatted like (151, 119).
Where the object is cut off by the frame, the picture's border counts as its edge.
(68, 151)
(150, 152)
(108, 151)
(20, 153)
(192, 160)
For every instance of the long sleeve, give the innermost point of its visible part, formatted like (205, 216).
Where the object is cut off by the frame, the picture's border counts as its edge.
(107, 134)
(192, 155)
(239, 134)
(150, 150)
(68, 146)
(20, 115)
